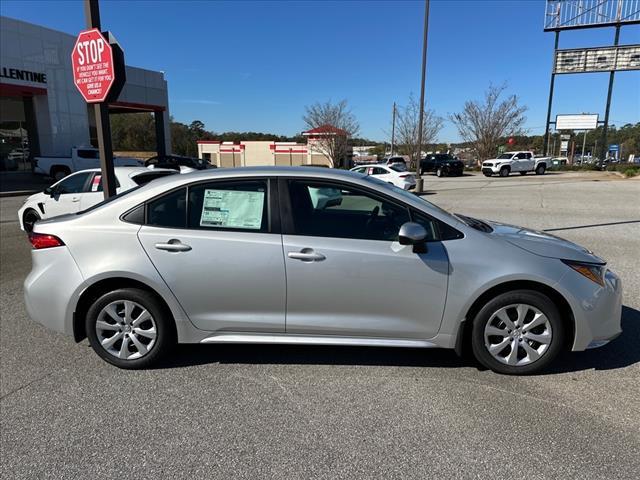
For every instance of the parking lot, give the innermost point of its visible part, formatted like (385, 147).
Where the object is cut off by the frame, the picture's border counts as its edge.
(246, 411)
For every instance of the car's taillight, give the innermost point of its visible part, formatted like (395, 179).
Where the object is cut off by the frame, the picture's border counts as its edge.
(405, 175)
(42, 240)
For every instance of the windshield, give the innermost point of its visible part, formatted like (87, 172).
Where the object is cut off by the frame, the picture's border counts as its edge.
(408, 195)
(505, 156)
(398, 167)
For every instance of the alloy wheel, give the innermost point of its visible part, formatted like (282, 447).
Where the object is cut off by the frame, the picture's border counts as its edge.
(518, 334)
(126, 330)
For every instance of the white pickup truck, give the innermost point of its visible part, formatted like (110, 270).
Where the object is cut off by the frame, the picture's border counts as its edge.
(81, 158)
(521, 162)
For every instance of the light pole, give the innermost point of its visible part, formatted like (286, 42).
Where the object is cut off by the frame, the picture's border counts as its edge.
(393, 127)
(424, 74)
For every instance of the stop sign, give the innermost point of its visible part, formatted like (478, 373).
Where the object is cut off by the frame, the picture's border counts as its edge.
(93, 66)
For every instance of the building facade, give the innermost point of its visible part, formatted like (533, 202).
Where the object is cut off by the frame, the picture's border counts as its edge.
(41, 111)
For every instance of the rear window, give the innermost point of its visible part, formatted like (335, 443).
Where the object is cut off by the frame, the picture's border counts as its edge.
(398, 167)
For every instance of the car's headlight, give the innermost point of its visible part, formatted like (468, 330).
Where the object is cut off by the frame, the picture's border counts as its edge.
(497, 163)
(593, 272)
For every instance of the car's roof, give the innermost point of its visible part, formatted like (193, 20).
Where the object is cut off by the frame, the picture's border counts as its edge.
(126, 171)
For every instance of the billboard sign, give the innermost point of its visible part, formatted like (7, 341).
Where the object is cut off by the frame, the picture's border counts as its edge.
(585, 121)
(601, 59)
(571, 14)
(614, 148)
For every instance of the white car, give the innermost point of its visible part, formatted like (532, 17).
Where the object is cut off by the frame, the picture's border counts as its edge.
(80, 191)
(511, 162)
(396, 174)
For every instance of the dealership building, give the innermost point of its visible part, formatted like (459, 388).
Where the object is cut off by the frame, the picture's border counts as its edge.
(256, 153)
(41, 111)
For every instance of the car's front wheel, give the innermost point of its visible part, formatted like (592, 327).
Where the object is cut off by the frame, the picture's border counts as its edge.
(504, 172)
(129, 328)
(440, 172)
(517, 333)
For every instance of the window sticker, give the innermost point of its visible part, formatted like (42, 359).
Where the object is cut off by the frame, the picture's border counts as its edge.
(95, 183)
(232, 209)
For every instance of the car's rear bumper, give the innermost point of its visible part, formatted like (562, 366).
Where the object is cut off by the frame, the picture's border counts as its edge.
(53, 278)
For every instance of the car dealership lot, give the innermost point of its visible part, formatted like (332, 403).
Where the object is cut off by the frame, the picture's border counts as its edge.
(242, 411)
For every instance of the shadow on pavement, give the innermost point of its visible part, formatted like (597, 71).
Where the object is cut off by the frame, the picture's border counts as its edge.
(620, 353)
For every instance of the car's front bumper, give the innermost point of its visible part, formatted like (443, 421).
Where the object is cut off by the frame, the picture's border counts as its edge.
(597, 310)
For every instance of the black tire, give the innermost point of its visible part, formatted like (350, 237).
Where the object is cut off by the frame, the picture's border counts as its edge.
(29, 218)
(523, 173)
(504, 171)
(439, 172)
(529, 297)
(540, 170)
(165, 329)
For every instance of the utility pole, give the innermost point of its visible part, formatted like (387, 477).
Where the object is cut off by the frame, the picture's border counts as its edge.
(393, 128)
(418, 188)
(105, 147)
(584, 145)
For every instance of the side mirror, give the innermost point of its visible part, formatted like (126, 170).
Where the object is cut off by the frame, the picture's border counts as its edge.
(49, 191)
(412, 233)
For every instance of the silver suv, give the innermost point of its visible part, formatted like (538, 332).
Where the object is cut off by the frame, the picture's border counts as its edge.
(251, 256)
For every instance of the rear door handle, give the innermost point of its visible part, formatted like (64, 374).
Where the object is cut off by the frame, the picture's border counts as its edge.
(173, 245)
(306, 255)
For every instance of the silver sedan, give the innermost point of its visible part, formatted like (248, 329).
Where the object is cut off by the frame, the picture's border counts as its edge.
(247, 256)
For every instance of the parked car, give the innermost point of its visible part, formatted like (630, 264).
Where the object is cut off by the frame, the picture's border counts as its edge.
(80, 191)
(521, 162)
(442, 164)
(395, 174)
(394, 160)
(179, 163)
(243, 256)
(81, 158)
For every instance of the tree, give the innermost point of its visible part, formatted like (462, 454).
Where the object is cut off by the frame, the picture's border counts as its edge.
(485, 123)
(338, 124)
(407, 128)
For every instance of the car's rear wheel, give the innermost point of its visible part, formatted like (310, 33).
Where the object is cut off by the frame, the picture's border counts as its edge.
(129, 328)
(504, 172)
(29, 218)
(540, 170)
(517, 333)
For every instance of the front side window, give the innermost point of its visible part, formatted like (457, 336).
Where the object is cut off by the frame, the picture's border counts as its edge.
(240, 206)
(96, 183)
(333, 210)
(75, 183)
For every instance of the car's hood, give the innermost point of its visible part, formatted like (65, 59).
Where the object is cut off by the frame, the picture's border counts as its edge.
(544, 244)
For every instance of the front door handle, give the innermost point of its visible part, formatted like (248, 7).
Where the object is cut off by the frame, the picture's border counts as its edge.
(75, 199)
(173, 245)
(306, 255)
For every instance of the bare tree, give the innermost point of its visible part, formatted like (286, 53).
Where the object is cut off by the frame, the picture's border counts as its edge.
(407, 126)
(337, 123)
(485, 123)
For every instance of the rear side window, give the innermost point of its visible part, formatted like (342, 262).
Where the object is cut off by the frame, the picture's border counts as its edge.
(169, 211)
(235, 206)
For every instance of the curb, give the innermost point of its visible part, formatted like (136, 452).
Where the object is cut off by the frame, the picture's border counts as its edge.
(17, 193)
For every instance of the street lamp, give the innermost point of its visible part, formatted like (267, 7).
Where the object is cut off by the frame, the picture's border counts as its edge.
(418, 188)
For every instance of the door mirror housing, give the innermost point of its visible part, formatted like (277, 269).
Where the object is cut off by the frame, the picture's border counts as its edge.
(50, 191)
(412, 233)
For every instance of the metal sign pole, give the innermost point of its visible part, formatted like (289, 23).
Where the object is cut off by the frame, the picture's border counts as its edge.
(553, 79)
(393, 127)
(92, 15)
(605, 127)
(418, 187)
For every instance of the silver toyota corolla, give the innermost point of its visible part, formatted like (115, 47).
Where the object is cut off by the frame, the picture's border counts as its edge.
(312, 256)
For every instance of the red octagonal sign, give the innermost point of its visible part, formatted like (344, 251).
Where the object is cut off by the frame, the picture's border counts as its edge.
(93, 69)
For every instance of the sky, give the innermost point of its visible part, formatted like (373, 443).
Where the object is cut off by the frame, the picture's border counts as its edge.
(254, 66)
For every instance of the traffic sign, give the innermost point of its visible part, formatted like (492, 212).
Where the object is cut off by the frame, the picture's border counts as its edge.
(614, 148)
(93, 66)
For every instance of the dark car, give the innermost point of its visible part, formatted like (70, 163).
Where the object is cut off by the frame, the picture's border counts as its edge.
(176, 161)
(443, 164)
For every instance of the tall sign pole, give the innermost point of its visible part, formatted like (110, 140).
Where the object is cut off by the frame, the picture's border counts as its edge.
(418, 188)
(547, 133)
(393, 128)
(605, 127)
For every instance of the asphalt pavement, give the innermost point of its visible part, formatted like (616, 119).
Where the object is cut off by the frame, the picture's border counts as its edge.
(298, 412)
